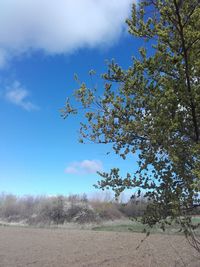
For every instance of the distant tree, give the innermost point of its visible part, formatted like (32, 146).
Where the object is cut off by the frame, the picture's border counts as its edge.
(153, 109)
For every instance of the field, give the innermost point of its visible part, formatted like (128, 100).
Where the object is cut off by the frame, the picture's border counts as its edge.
(39, 247)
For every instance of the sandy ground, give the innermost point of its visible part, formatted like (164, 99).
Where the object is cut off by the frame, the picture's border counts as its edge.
(21, 247)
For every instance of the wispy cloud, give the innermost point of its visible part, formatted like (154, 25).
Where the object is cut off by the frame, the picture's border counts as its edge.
(59, 26)
(84, 167)
(18, 95)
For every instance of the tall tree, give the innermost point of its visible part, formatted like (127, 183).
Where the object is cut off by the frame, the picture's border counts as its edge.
(153, 109)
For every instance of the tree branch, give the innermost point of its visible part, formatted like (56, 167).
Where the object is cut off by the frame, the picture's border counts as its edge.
(187, 74)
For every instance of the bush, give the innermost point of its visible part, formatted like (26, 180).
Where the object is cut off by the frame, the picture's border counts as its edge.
(59, 209)
(50, 210)
(107, 210)
(86, 215)
(134, 208)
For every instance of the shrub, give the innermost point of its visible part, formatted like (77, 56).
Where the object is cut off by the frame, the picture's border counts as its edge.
(51, 210)
(86, 215)
(74, 208)
(134, 208)
(107, 210)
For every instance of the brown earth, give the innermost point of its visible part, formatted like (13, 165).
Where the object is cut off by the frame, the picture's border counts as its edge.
(20, 247)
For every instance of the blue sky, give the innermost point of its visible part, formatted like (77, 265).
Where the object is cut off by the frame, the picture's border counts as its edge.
(39, 151)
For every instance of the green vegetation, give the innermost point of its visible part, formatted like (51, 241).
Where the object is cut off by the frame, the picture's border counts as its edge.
(136, 226)
(132, 226)
(153, 109)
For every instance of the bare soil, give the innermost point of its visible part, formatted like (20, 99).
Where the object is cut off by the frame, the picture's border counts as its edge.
(20, 247)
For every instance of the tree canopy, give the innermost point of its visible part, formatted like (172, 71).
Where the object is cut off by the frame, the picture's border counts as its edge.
(153, 109)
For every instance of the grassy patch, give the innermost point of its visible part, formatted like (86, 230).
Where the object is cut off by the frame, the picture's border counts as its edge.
(120, 228)
(138, 227)
(129, 226)
(196, 219)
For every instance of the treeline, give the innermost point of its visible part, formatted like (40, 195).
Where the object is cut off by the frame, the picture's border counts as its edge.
(62, 209)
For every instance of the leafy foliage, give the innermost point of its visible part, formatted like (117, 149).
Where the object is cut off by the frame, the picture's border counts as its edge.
(153, 108)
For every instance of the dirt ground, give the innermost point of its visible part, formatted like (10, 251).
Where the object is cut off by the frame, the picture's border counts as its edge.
(21, 247)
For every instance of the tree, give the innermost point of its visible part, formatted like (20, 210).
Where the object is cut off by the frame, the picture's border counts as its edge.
(153, 109)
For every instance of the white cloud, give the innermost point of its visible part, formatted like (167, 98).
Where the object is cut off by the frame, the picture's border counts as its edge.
(84, 167)
(59, 26)
(18, 95)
